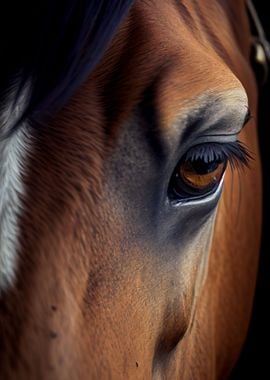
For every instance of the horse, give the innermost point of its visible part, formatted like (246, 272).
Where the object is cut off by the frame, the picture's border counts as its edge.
(130, 201)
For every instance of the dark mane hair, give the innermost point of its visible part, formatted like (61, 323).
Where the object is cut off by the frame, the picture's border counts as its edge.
(54, 45)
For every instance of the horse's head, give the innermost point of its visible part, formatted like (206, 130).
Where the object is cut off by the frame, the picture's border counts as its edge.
(129, 239)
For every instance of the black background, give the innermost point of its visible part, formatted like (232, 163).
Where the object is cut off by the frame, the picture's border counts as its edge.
(254, 362)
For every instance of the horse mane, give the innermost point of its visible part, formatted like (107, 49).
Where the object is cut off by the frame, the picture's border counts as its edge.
(52, 46)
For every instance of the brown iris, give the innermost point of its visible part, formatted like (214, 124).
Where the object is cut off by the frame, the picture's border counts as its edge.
(197, 177)
(201, 175)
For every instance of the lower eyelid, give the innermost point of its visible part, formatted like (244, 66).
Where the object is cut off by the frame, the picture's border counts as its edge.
(203, 200)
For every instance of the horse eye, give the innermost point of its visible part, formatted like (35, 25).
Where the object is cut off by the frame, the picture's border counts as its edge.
(196, 178)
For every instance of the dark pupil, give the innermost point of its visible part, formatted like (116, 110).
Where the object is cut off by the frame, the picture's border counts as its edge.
(201, 167)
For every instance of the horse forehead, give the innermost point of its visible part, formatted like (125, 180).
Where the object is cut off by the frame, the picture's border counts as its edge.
(185, 26)
(179, 46)
(206, 21)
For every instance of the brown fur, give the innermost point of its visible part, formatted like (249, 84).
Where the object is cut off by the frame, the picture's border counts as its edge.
(88, 306)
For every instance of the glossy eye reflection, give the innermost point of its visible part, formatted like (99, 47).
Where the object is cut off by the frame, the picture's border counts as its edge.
(201, 169)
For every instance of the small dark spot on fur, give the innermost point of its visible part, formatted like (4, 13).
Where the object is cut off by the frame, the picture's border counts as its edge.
(137, 364)
(77, 187)
(53, 334)
(54, 308)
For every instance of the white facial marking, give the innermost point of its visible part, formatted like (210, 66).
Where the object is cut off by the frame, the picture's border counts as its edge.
(13, 151)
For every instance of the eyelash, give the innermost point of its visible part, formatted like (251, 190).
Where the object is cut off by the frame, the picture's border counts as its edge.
(236, 153)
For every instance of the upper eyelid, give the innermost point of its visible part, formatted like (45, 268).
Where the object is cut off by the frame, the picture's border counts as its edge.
(247, 119)
(204, 124)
